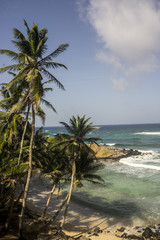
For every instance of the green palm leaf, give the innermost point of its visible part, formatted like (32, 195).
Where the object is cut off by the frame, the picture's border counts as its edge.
(49, 75)
(54, 54)
(10, 67)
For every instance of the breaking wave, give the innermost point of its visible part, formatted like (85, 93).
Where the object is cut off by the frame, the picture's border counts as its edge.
(147, 133)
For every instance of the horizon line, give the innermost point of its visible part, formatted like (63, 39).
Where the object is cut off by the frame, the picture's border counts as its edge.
(120, 124)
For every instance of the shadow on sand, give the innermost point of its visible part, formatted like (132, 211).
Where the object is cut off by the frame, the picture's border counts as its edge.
(83, 213)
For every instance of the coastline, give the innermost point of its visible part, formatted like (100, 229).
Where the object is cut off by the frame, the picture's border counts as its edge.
(112, 154)
(83, 221)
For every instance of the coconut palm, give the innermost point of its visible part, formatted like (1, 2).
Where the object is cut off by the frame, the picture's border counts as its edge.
(51, 161)
(32, 69)
(78, 128)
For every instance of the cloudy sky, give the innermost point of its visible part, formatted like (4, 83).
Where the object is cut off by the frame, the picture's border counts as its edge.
(113, 60)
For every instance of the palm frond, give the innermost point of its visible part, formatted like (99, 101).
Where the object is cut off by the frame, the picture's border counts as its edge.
(54, 54)
(18, 35)
(48, 104)
(9, 53)
(53, 65)
(47, 89)
(42, 47)
(93, 176)
(19, 76)
(28, 30)
(41, 114)
(68, 128)
(10, 67)
(49, 75)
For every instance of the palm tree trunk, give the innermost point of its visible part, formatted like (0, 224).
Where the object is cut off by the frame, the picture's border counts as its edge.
(70, 191)
(48, 201)
(61, 187)
(29, 174)
(61, 206)
(23, 135)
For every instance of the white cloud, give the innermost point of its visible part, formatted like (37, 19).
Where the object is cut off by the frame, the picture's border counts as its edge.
(119, 84)
(129, 30)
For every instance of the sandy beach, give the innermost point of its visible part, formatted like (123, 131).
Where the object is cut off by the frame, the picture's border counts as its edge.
(80, 219)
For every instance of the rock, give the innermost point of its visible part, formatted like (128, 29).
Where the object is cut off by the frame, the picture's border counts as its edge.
(121, 229)
(148, 233)
(132, 236)
(124, 235)
(136, 227)
(103, 153)
(97, 230)
(95, 234)
(83, 238)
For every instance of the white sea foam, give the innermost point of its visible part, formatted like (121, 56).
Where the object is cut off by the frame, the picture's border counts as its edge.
(148, 133)
(149, 160)
(139, 165)
(110, 144)
(101, 144)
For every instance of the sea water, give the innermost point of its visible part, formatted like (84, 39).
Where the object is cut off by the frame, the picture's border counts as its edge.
(131, 188)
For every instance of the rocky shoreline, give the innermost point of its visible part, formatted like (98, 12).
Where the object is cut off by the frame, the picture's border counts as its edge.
(35, 228)
(113, 154)
(137, 232)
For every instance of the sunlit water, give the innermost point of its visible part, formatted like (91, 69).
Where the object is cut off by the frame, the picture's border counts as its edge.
(131, 186)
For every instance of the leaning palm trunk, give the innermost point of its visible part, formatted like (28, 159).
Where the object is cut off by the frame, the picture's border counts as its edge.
(61, 187)
(29, 174)
(70, 191)
(23, 135)
(61, 206)
(48, 201)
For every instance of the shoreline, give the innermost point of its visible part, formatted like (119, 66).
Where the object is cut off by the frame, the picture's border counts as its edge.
(104, 153)
(82, 219)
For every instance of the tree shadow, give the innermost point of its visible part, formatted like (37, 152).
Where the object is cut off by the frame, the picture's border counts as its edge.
(85, 210)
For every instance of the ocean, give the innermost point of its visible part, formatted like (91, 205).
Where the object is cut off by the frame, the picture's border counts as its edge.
(131, 188)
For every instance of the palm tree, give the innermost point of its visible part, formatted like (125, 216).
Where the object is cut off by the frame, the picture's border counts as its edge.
(86, 166)
(51, 161)
(31, 69)
(74, 142)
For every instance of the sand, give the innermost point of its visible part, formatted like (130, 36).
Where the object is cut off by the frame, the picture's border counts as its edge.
(80, 219)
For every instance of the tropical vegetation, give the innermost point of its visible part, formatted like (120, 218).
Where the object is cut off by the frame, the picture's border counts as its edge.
(66, 158)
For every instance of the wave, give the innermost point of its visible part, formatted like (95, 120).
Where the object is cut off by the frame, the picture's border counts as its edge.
(147, 133)
(110, 144)
(148, 160)
(107, 144)
(139, 165)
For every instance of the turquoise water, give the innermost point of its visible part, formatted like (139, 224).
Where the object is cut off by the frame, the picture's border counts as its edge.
(132, 186)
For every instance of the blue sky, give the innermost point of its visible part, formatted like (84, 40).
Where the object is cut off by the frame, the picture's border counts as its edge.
(113, 59)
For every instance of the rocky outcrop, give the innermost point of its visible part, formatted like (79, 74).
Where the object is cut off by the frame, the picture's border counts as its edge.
(142, 233)
(104, 153)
